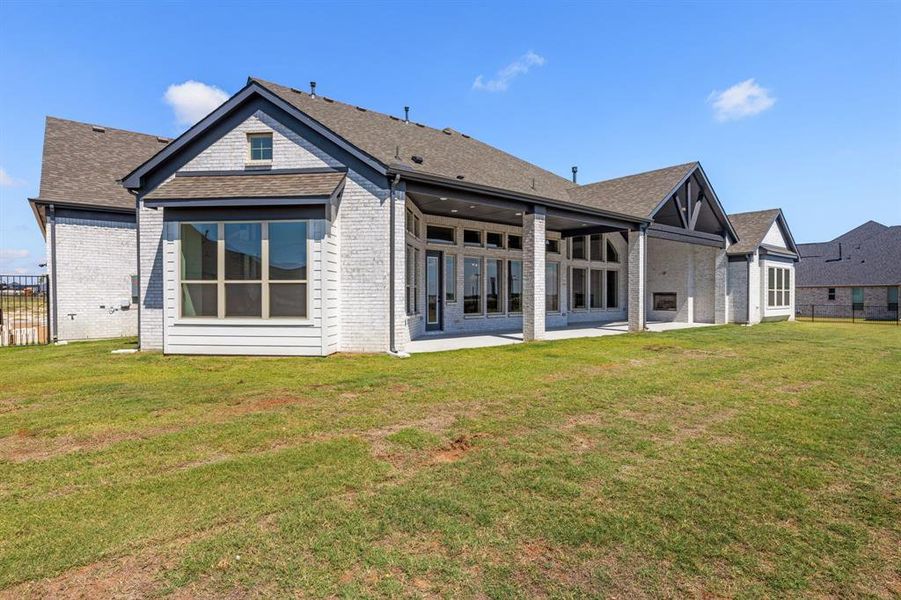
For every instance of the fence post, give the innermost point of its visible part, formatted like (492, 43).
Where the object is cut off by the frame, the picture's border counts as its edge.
(813, 313)
(853, 310)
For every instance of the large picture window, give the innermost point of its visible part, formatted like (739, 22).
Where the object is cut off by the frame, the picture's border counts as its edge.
(494, 280)
(472, 286)
(778, 287)
(580, 291)
(612, 289)
(450, 278)
(514, 286)
(597, 287)
(254, 270)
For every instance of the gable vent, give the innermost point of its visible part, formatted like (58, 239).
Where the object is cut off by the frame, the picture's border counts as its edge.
(98, 128)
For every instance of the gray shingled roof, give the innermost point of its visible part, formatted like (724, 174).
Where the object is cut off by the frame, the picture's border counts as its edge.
(269, 185)
(866, 255)
(445, 153)
(636, 195)
(751, 228)
(83, 163)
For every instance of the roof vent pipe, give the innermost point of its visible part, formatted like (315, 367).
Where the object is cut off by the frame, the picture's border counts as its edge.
(312, 89)
(575, 170)
(406, 114)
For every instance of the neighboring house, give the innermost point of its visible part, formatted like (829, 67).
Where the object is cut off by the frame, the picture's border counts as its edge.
(289, 223)
(88, 221)
(857, 273)
(762, 268)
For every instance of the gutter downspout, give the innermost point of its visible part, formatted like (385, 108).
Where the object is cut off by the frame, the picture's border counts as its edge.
(392, 344)
(55, 323)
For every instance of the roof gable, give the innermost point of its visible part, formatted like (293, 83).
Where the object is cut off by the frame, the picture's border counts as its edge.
(761, 228)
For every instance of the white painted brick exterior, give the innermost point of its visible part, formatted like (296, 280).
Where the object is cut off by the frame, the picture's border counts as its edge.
(688, 270)
(150, 259)
(534, 235)
(737, 291)
(95, 261)
(638, 241)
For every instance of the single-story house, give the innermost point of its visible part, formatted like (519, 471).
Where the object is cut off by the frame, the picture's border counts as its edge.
(88, 222)
(761, 278)
(288, 223)
(856, 274)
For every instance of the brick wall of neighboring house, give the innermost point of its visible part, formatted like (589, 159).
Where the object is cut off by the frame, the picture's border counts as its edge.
(875, 297)
(95, 260)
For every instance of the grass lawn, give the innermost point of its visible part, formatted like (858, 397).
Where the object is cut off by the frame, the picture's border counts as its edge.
(722, 461)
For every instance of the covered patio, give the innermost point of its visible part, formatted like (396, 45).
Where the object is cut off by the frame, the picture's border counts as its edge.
(446, 342)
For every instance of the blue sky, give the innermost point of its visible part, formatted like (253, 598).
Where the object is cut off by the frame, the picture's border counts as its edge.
(613, 88)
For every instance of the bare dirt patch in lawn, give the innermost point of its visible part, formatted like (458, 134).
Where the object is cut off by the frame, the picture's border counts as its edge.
(26, 445)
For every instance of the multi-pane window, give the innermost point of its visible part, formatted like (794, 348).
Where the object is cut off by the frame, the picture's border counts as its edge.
(441, 235)
(612, 289)
(552, 287)
(472, 285)
(612, 254)
(514, 242)
(552, 246)
(494, 240)
(778, 287)
(450, 278)
(830, 294)
(596, 287)
(857, 298)
(244, 270)
(472, 237)
(260, 146)
(514, 286)
(892, 299)
(578, 247)
(412, 223)
(580, 285)
(494, 290)
(412, 280)
(596, 247)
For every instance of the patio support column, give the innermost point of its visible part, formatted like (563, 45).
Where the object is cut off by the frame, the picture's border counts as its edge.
(533, 238)
(690, 286)
(720, 306)
(638, 244)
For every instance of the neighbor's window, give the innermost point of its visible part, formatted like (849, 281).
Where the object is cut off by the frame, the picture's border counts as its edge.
(260, 146)
(450, 278)
(441, 235)
(472, 237)
(494, 281)
(612, 289)
(596, 247)
(612, 254)
(596, 288)
(552, 287)
(857, 298)
(246, 286)
(494, 240)
(472, 286)
(514, 286)
(552, 246)
(830, 294)
(514, 242)
(578, 247)
(580, 297)
(892, 299)
(778, 287)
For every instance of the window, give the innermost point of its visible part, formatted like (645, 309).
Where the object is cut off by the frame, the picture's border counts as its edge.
(494, 240)
(579, 288)
(494, 278)
(135, 290)
(612, 254)
(552, 246)
(412, 224)
(514, 242)
(857, 298)
(260, 146)
(472, 237)
(665, 301)
(578, 247)
(612, 289)
(472, 286)
(778, 287)
(596, 247)
(412, 280)
(830, 294)
(441, 235)
(596, 288)
(248, 285)
(552, 287)
(514, 286)
(892, 299)
(450, 278)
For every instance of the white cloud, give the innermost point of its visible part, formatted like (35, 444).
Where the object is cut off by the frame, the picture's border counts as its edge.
(505, 76)
(13, 253)
(7, 180)
(193, 100)
(744, 99)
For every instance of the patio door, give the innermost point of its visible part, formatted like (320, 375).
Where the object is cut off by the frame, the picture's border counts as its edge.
(434, 292)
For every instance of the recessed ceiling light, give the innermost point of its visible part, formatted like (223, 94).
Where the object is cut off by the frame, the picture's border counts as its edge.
(518, 214)
(442, 198)
(472, 206)
(453, 210)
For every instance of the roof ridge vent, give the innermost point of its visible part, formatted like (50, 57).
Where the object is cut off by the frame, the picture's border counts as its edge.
(419, 124)
(466, 136)
(393, 118)
(98, 128)
(327, 99)
(447, 131)
(360, 108)
(162, 140)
